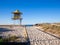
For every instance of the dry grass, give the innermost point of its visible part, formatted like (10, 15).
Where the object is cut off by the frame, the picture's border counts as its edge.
(51, 28)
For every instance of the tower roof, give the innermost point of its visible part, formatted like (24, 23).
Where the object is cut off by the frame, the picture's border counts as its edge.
(17, 12)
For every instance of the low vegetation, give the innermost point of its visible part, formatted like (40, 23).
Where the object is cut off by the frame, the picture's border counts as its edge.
(10, 39)
(52, 28)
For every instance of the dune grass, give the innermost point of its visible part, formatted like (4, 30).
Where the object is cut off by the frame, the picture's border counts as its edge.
(50, 28)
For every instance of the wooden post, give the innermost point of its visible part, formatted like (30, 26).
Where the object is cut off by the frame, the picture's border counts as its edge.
(20, 21)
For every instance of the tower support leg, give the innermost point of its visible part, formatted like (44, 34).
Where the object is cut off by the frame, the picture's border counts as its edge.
(20, 22)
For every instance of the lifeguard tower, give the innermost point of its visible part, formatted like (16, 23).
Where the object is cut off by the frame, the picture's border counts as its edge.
(17, 16)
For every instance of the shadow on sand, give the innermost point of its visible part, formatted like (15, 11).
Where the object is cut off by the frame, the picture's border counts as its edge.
(5, 30)
(14, 43)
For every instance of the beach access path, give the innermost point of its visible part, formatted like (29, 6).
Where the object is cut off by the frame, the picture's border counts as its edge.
(38, 37)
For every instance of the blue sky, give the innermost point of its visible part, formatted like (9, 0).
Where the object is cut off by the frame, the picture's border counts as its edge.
(34, 11)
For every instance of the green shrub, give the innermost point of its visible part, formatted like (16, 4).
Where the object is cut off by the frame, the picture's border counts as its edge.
(12, 38)
(1, 40)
